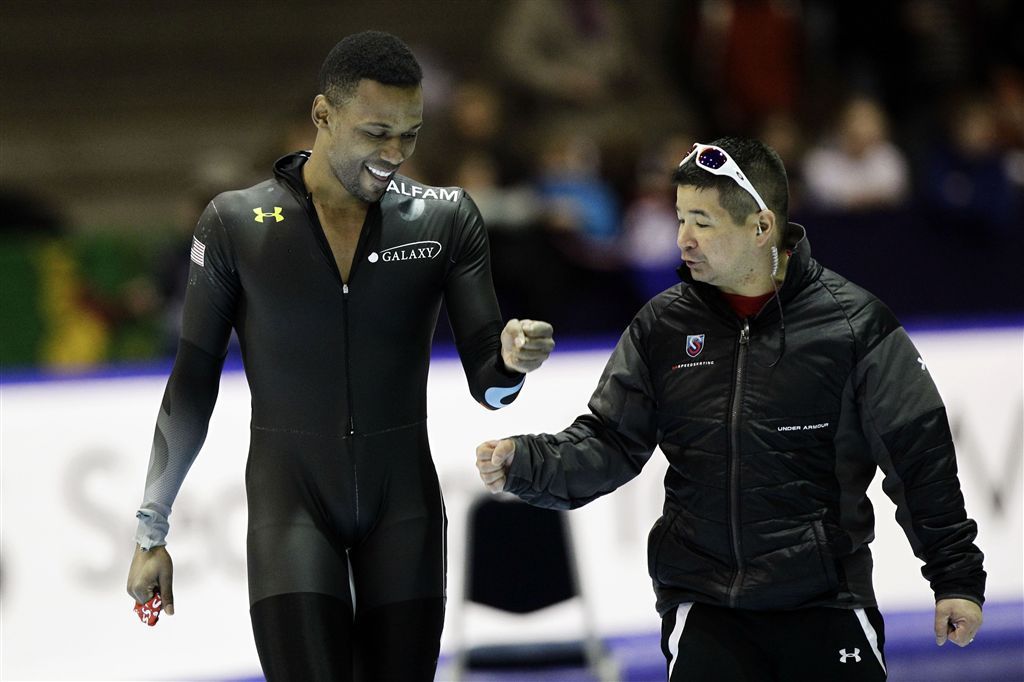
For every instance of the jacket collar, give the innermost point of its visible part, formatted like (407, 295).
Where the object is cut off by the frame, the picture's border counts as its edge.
(801, 269)
(288, 171)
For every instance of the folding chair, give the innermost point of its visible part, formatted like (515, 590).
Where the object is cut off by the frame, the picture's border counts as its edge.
(520, 559)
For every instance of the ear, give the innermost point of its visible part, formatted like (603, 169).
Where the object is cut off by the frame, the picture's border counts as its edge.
(765, 227)
(321, 111)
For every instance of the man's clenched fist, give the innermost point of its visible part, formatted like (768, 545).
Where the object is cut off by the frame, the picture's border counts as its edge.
(493, 458)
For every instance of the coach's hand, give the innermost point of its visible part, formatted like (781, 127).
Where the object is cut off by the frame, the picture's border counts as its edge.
(526, 344)
(493, 458)
(151, 572)
(956, 620)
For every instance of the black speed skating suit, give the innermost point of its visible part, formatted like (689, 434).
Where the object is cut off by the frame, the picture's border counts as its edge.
(339, 464)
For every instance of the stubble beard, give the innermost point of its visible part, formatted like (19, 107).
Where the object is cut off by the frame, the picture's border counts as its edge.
(350, 178)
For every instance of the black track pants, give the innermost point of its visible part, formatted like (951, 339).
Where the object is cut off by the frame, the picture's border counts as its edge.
(711, 643)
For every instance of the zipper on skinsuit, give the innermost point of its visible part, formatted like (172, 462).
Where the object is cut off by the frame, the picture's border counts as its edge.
(348, 367)
(328, 254)
(306, 201)
(346, 290)
(348, 396)
(734, 463)
(325, 248)
(357, 256)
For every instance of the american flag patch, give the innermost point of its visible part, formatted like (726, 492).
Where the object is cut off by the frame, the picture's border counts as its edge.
(198, 252)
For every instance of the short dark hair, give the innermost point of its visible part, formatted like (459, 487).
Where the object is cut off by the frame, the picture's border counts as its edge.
(763, 168)
(372, 55)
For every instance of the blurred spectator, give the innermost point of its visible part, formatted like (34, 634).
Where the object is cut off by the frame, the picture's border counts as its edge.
(512, 215)
(772, 68)
(576, 198)
(857, 167)
(474, 124)
(910, 53)
(650, 225)
(569, 54)
(741, 59)
(939, 38)
(50, 315)
(783, 133)
(966, 179)
(578, 63)
(868, 46)
(69, 302)
(504, 208)
(1008, 86)
(1009, 106)
(580, 221)
(78, 333)
(219, 170)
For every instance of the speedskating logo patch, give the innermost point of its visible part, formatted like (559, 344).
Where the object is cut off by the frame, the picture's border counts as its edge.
(694, 344)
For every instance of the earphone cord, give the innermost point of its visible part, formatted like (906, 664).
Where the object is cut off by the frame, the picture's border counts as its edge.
(778, 301)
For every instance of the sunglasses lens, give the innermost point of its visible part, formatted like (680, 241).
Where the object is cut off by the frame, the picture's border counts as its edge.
(712, 158)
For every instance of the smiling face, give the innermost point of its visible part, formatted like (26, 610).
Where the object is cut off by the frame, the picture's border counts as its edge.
(716, 249)
(369, 135)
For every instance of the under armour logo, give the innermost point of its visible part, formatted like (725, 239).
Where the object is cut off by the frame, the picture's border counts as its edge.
(923, 366)
(261, 214)
(855, 655)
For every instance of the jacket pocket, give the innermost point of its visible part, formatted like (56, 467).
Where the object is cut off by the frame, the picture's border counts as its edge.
(654, 541)
(828, 562)
(789, 564)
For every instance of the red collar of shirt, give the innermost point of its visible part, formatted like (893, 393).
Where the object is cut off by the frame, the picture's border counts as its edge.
(746, 306)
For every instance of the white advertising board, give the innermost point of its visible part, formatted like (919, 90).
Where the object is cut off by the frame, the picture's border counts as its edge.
(74, 457)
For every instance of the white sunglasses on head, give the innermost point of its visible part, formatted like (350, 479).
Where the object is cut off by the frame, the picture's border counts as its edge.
(715, 160)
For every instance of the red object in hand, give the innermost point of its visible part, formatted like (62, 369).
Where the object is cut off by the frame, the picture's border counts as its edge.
(149, 613)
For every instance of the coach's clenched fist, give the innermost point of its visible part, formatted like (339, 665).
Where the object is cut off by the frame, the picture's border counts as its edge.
(493, 458)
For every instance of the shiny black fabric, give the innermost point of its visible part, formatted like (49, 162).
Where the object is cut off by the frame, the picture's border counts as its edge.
(769, 462)
(314, 638)
(340, 482)
(810, 645)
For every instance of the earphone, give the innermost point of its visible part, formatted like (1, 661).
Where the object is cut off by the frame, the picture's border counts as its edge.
(774, 253)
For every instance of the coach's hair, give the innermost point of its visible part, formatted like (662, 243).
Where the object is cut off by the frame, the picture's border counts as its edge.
(373, 55)
(763, 168)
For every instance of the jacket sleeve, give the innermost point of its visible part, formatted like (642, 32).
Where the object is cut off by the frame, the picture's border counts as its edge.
(905, 422)
(601, 450)
(181, 424)
(474, 314)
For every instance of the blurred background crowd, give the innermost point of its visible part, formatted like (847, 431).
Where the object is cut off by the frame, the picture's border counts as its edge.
(901, 123)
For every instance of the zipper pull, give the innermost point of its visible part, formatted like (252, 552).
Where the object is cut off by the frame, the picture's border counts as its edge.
(351, 426)
(344, 288)
(745, 333)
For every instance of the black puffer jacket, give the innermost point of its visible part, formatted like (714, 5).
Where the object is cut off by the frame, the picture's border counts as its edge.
(769, 457)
